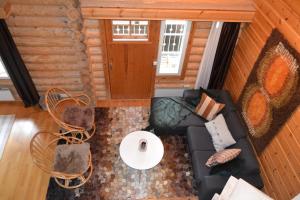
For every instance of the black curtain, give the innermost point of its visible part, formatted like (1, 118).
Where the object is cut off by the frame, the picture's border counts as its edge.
(226, 45)
(16, 68)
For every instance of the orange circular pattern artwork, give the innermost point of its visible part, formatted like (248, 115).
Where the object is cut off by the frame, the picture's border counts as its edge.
(276, 76)
(256, 109)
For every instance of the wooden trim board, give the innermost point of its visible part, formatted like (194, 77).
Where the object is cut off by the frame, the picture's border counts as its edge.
(161, 14)
(174, 4)
(124, 102)
(6, 124)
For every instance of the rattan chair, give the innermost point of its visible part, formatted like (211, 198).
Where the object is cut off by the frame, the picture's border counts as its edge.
(42, 149)
(57, 100)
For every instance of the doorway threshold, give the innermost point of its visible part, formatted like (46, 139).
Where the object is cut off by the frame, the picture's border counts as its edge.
(123, 102)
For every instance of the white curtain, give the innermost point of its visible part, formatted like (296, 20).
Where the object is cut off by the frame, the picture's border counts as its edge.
(208, 56)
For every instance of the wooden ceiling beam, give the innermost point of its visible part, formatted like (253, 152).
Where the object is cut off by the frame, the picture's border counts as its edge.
(241, 5)
(161, 14)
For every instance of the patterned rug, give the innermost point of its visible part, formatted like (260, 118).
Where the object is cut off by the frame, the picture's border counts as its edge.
(112, 179)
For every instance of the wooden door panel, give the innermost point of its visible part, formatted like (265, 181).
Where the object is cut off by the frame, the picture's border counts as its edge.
(131, 70)
(117, 73)
(141, 71)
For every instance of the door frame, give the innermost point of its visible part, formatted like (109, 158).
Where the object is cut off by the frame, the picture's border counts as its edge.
(106, 39)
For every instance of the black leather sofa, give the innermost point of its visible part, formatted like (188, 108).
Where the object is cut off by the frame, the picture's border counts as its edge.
(212, 180)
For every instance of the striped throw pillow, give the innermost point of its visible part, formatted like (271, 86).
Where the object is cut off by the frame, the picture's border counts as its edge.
(208, 107)
(222, 157)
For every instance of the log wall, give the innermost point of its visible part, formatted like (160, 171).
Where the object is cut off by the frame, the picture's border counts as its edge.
(280, 161)
(94, 50)
(49, 38)
(199, 39)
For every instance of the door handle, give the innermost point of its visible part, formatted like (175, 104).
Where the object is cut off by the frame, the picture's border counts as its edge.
(155, 63)
(110, 66)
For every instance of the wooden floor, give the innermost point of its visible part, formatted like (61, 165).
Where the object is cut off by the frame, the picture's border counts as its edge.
(20, 179)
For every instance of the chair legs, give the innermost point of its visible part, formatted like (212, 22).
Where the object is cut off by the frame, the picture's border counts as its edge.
(86, 135)
(75, 182)
(43, 149)
(82, 135)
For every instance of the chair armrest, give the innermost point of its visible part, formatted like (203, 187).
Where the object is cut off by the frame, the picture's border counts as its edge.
(191, 96)
(211, 185)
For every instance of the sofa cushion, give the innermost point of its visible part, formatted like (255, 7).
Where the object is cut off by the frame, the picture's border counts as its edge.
(208, 107)
(199, 139)
(223, 96)
(192, 120)
(221, 136)
(172, 115)
(245, 164)
(193, 96)
(222, 157)
(250, 163)
(181, 128)
(199, 159)
(235, 125)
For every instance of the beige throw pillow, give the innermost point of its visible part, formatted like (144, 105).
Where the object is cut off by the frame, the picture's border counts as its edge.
(208, 107)
(222, 157)
(219, 132)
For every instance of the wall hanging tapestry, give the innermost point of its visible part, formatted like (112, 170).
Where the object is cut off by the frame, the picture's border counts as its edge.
(272, 91)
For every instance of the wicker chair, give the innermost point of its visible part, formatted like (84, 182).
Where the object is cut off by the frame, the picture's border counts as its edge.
(42, 148)
(57, 100)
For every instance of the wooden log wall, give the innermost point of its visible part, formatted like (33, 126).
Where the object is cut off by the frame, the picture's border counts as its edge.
(49, 38)
(4, 6)
(280, 161)
(94, 50)
(199, 39)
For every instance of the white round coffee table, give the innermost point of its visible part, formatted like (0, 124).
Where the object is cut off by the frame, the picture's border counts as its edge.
(141, 160)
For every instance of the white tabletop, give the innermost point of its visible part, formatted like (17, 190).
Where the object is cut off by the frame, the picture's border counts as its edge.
(130, 154)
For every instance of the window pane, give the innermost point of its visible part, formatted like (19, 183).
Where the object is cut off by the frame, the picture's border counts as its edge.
(3, 73)
(124, 30)
(172, 46)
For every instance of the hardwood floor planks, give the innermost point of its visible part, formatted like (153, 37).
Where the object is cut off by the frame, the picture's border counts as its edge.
(19, 177)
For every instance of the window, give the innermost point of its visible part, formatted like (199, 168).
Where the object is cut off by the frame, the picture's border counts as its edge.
(3, 73)
(172, 46)
(127, 30)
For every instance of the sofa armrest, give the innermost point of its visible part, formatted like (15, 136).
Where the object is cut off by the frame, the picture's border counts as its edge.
(211, 185)
(191, 96)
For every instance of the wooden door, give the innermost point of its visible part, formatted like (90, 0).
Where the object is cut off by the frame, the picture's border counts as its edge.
(130, 63)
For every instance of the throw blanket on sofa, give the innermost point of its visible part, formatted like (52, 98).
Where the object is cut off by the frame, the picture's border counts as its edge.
(168, 112)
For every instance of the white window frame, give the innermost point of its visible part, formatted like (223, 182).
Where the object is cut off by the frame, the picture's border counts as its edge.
(3, 69)
(182, 48)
